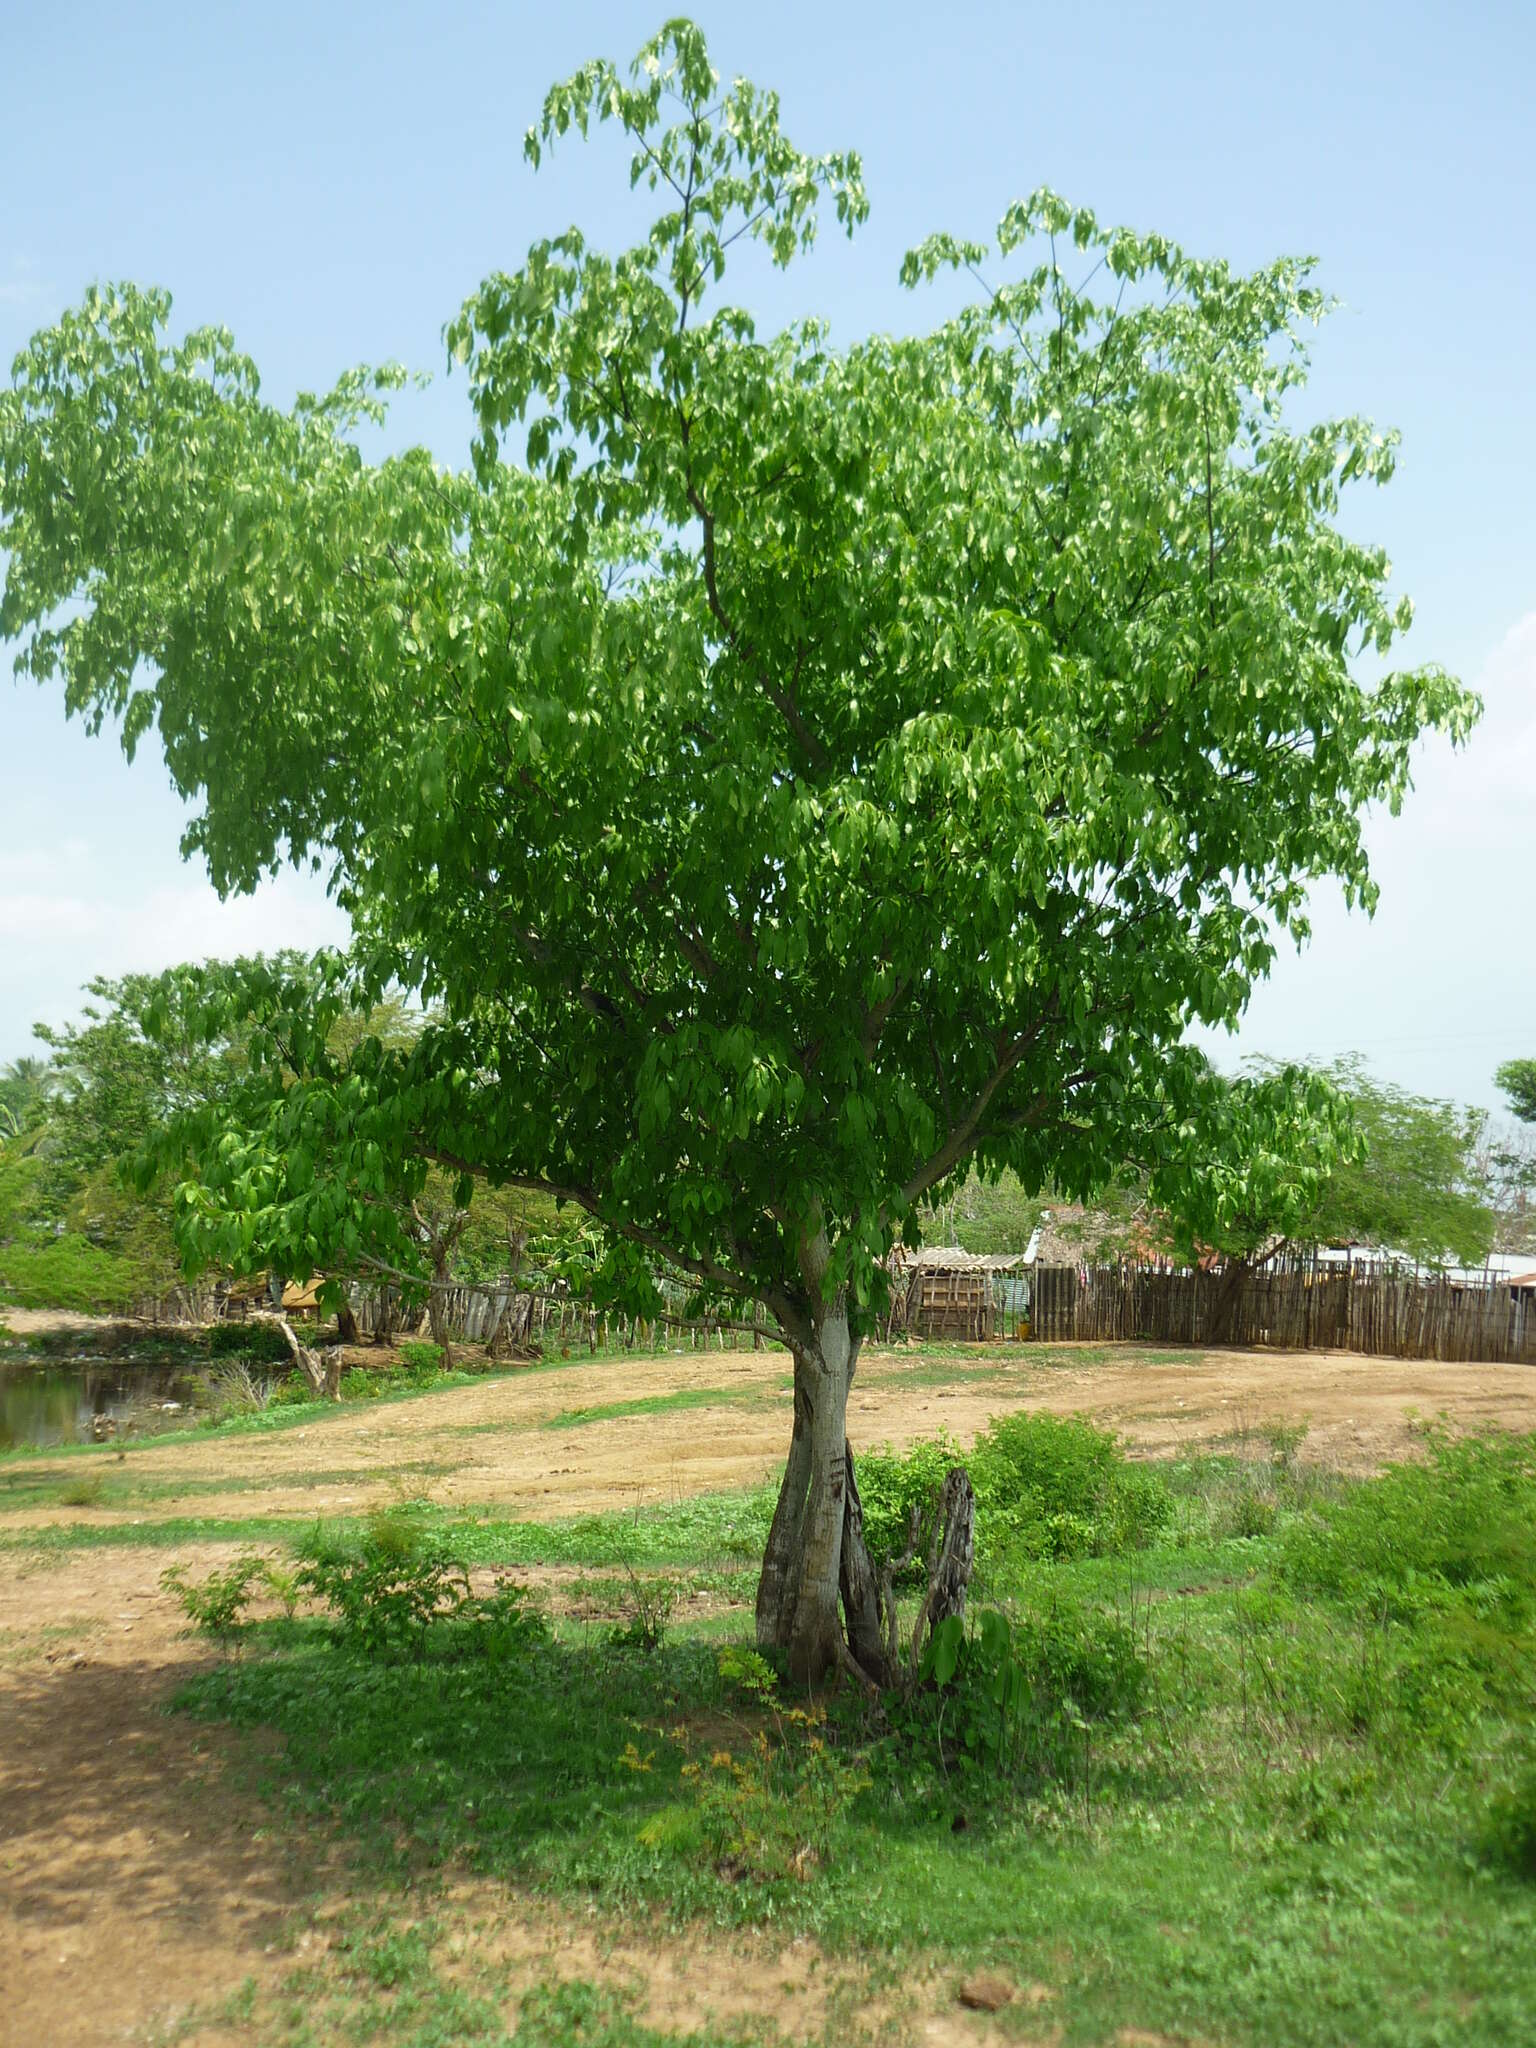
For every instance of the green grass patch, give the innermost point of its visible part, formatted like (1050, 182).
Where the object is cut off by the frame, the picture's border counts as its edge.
(665, 1404)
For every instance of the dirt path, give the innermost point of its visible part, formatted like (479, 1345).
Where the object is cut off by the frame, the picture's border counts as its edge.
(134, 1883)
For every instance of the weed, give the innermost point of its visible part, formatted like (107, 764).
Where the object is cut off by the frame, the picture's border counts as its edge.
(1508, 1830)
(81, 1493)
(648, 1602)
(216, 1606)
(387, 1592)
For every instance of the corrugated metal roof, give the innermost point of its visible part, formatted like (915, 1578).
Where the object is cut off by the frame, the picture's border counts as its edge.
(953, 1258)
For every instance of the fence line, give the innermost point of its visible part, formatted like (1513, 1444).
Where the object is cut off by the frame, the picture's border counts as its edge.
(1300, 1309)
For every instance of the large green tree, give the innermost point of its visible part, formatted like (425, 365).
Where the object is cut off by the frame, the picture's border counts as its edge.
(795, 771)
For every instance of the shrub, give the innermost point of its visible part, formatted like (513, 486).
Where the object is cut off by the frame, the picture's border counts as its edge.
(892, 1484)
(1508, 1834)
(506, 1621)
(216, 1606)
(1049, 1486)
(1434, 1565)
(397, 1587)
(257, 1343)
(648, 1601)
(70, 1272)
(81, 1493)
(1016, 1694)
(771, 1811)
(1457, 1524)
(387, 1593)
(420, 1360)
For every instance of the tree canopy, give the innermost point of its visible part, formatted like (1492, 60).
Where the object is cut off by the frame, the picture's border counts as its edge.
(1374, 1165)
(1517, 1079)
(794, 771)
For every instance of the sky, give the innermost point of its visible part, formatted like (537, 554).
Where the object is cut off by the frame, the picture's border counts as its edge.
(332, 180)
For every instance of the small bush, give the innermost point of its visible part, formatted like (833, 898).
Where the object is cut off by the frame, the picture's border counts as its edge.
(81, 1493)
(1246, 1512)
(398, 1588)
(648, 1601)
(216, 1606)
(1049, 1486)
(1508, 1835)
(506, 1621)
(892, 1484)
(386, 1594)
(771, 1811)
(1458, 1524)
(1016, 1694)
(419, 1360)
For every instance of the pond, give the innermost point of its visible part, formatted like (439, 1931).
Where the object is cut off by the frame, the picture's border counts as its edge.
(93, 1386)
(60, 1402)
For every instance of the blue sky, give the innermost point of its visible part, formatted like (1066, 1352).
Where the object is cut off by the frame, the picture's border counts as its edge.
(332, 180)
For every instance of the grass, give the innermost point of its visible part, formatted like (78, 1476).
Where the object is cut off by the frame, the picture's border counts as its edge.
(1309, 1819)
(664, 1404)
(1311, 1826)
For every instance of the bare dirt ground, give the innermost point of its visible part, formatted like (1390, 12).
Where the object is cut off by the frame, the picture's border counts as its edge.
(518, 1446)
(135, 1884)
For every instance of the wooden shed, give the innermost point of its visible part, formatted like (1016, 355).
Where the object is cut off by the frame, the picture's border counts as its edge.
(961, 1295)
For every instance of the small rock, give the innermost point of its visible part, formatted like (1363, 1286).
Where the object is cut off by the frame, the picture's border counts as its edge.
(986, 1991)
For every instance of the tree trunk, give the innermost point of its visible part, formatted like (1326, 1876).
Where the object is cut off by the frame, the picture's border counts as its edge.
(321, 1369)
(819, 1600)
(437, 1313)
(816, 1563)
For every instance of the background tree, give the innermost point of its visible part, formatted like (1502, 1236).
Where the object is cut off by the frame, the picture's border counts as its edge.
(1510, 1158)
(793, 772)
(1367, 1163)
(1517, 1078)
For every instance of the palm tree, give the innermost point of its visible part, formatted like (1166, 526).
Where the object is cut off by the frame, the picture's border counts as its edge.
(25, 1084)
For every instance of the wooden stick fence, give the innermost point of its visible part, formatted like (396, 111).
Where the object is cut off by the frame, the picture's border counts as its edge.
(1300, 1309)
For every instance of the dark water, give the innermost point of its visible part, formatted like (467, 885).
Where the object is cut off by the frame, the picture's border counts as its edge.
(65, 1401)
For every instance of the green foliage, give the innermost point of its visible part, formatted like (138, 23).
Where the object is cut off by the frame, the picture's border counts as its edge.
(387, 1591)
(1047, 1486)
(1224, 1829)
(1508, 1831)
(1055, 1486)
(1018, 1694)
(1381, 1167)
(648, 1600)
(771, 1811)
(69, 1272)
(1436, 1562)
(258, 1343)
(396, 1584)
(892, 1485)
(1517, 1078)
(216, 1604)
(743, 695)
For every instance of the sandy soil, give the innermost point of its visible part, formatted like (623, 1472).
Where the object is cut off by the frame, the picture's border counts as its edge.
(492, 1447)
(134, 1880)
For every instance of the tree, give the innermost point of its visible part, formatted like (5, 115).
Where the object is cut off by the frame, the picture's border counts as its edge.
(1367, 1163)
(1509, 1157)
(1517, 1079)
(1414, 1184)
(25, 1085)
(796, 773)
